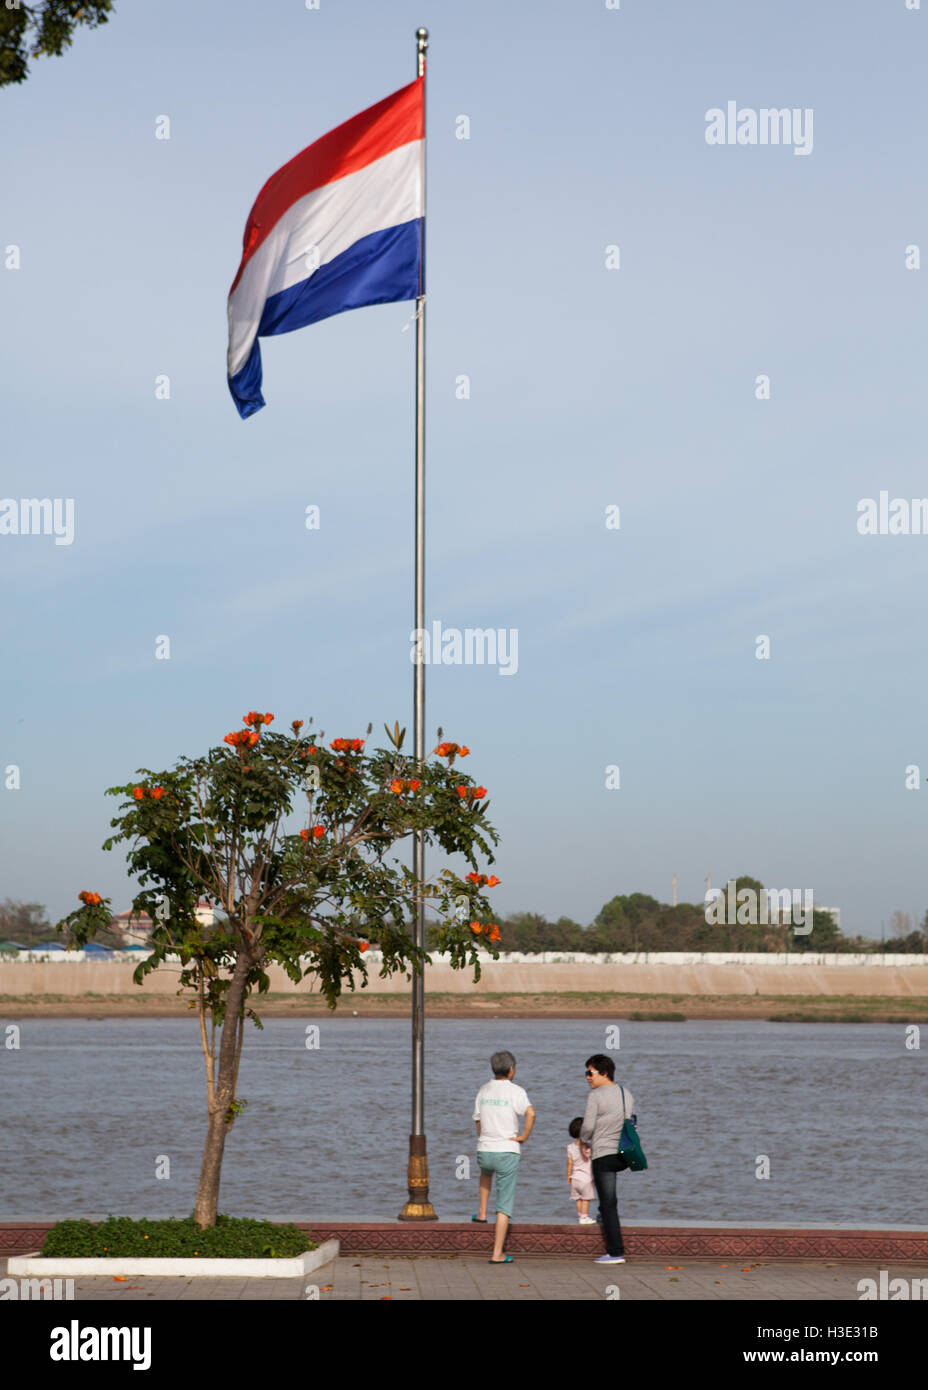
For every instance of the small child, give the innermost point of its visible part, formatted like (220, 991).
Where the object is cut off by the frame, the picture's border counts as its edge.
(580, 1173)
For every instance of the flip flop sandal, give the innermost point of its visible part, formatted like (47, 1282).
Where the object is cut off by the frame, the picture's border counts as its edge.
(506, 1260)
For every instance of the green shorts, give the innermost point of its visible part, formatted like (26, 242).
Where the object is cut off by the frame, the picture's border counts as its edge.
(506, 1168)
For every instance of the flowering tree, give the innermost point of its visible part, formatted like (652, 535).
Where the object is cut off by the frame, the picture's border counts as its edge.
(311, 900)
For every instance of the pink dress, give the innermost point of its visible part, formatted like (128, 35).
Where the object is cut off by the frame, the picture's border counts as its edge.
(581, 1174)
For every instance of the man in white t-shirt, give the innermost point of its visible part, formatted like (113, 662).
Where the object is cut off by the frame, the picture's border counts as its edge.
(497, 1110)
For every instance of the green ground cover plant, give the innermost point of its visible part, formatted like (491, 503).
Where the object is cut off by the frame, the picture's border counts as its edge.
(231, 1238)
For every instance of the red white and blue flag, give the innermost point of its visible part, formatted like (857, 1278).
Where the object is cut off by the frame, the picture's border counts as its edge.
(338, 227)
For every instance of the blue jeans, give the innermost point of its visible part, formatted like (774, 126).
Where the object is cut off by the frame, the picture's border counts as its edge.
(604, 1171)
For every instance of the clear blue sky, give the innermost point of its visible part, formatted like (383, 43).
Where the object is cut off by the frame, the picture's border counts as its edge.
(588, 387)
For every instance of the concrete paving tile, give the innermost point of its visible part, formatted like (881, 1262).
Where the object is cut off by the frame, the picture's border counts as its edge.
(471, 1279)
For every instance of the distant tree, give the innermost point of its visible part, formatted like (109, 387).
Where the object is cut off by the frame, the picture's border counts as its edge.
(638, 922)
(906, 941)
(746, 881)
(45, 29)
(24, 922)
(900, 923)
(529, 932)
(824, 936)
(914, 944)
(622, 924)
(27, 924)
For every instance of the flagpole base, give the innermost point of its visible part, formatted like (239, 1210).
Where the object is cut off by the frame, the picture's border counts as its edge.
(418, 1208)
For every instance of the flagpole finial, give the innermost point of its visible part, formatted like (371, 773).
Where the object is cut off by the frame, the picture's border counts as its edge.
(422, 43)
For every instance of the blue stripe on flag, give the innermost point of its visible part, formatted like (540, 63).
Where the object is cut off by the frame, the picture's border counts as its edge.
(382, 268)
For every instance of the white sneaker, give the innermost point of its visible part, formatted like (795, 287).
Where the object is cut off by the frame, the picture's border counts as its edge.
(586, 1221)
(610, 1260)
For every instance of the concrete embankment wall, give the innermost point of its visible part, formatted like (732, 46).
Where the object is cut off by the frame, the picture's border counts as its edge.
(694, 976)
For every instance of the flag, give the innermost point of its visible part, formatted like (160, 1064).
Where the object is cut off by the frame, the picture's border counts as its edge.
(338, 227)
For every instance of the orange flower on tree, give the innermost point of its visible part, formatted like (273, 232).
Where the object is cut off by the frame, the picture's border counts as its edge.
(253, 717)
(451, 750)
(476, 928)
(157, 793)
(493, 932)
(91, 899)
(138, 793)
(241, 738)
(347, 745)
(492, 881)
(472, 793)
(304, 834)
(364, 945)
(399, 786)
(318, 831)
(296, 725)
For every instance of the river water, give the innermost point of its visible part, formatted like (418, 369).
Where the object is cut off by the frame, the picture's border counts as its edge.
(90, 1108)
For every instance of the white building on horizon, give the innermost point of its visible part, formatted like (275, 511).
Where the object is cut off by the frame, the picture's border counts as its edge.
(136, 927)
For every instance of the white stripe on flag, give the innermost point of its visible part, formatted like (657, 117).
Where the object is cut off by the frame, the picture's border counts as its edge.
(386, 193)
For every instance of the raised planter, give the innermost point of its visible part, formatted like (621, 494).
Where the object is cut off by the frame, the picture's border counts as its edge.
(540, 1240)
(528, 1239)
(176, 1266)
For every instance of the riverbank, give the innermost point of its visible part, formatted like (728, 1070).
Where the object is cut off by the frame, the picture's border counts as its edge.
(651, 977)
(574, 1004)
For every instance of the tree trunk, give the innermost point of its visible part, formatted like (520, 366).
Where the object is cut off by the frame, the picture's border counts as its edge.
(207, 1203)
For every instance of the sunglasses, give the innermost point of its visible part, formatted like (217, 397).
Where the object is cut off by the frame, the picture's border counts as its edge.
(590, 1073)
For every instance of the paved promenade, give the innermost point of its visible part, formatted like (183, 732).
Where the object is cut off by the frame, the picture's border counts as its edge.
(431, 1278)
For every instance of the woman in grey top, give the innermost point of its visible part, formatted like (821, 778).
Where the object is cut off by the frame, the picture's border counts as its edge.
(602, 1129)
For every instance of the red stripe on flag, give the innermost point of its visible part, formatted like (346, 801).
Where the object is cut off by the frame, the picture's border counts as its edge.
(395, 121)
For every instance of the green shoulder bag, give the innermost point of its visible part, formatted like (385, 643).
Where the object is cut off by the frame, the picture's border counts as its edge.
(631, 1154)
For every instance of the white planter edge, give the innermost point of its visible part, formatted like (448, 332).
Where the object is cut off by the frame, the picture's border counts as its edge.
(38, 1266)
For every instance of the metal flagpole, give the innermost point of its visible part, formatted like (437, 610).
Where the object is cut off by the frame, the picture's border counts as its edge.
(418, 1207)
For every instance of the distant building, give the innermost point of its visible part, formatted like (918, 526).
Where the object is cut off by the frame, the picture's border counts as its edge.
(780, 913)
(135, 928)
